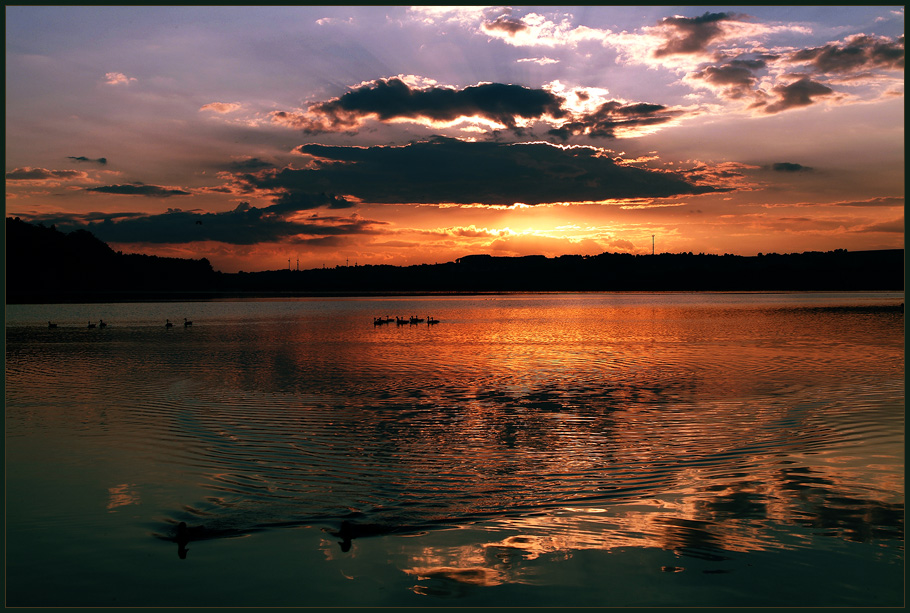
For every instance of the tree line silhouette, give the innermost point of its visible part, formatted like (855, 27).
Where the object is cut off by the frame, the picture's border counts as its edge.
(46, 265)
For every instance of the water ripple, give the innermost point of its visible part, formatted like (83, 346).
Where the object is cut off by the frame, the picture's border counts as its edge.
(722, 416)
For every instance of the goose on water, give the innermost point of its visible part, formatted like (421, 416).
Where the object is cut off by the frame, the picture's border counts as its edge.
(186, 323)
(168, 324)
(91, 325)
(50, 325)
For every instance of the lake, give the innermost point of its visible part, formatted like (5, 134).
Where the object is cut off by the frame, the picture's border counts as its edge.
(628, 449)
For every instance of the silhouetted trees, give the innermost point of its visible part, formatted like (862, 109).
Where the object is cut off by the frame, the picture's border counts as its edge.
(837, 270)
(45, 265)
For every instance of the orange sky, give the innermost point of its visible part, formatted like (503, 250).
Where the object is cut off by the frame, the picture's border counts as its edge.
(394, 135)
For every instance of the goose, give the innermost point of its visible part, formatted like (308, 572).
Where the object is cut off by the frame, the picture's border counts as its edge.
(91, 325)
(184, 535)
(101, 323)
(50, 325)
(168, 324)
(430, 320)
(186, 322)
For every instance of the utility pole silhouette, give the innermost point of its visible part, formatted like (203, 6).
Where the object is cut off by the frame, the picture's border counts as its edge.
(652, 244)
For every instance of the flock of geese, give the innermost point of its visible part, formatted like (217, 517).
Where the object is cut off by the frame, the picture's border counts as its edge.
(101, 324)
(377, 321)
(401, 321)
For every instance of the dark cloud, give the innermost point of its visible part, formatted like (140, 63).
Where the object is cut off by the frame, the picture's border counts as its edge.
(250, 165)
(789, 167)
(509, 25)
(73, 221)
(445, 170)
(736, 78)
(28, 173)
(388, 99)
(857, 53)
(291, 190)
(799, 93)
(613, 115)
(139, 189)
(295, 200)
(687, 35)
(82, 158)
(245, 225)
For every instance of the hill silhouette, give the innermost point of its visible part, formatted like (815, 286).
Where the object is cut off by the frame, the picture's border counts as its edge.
(46, 265)
(837, 270)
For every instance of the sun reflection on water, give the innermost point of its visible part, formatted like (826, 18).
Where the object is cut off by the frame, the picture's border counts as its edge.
(549, 427)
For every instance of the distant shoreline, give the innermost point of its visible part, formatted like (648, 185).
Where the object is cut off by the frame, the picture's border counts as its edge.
(216, 296)
(56, 268)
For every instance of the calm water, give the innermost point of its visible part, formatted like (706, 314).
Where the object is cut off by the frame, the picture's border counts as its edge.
(557, 449)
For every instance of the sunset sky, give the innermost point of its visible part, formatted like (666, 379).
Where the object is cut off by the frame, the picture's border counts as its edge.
(403, 135)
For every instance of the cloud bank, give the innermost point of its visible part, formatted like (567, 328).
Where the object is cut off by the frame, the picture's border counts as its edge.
(499, 105)
(245, 225)
(139, 189)
(447, 170)
(390, 99)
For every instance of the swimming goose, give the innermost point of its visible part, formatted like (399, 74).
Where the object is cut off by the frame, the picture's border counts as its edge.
(91, 325)
(186, 323)
(168, 324)
(184, 535)
(50, 325)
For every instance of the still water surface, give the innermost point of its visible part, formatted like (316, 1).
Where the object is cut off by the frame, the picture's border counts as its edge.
(528, 450)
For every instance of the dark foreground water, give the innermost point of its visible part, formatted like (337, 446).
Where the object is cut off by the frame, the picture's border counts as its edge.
(528, 450)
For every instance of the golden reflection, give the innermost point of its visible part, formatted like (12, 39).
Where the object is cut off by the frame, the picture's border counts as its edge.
(736, 517)
(698, 433)
(476, 575)
(122, 495)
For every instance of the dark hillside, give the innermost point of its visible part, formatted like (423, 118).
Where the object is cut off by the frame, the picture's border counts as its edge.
(837, 270)
(46, 265)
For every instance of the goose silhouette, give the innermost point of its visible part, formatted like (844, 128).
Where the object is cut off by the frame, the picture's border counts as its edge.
(101, 323)
(184, 535)
(50, 325)
(91, 325)
(186, 322)
(168, 324)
